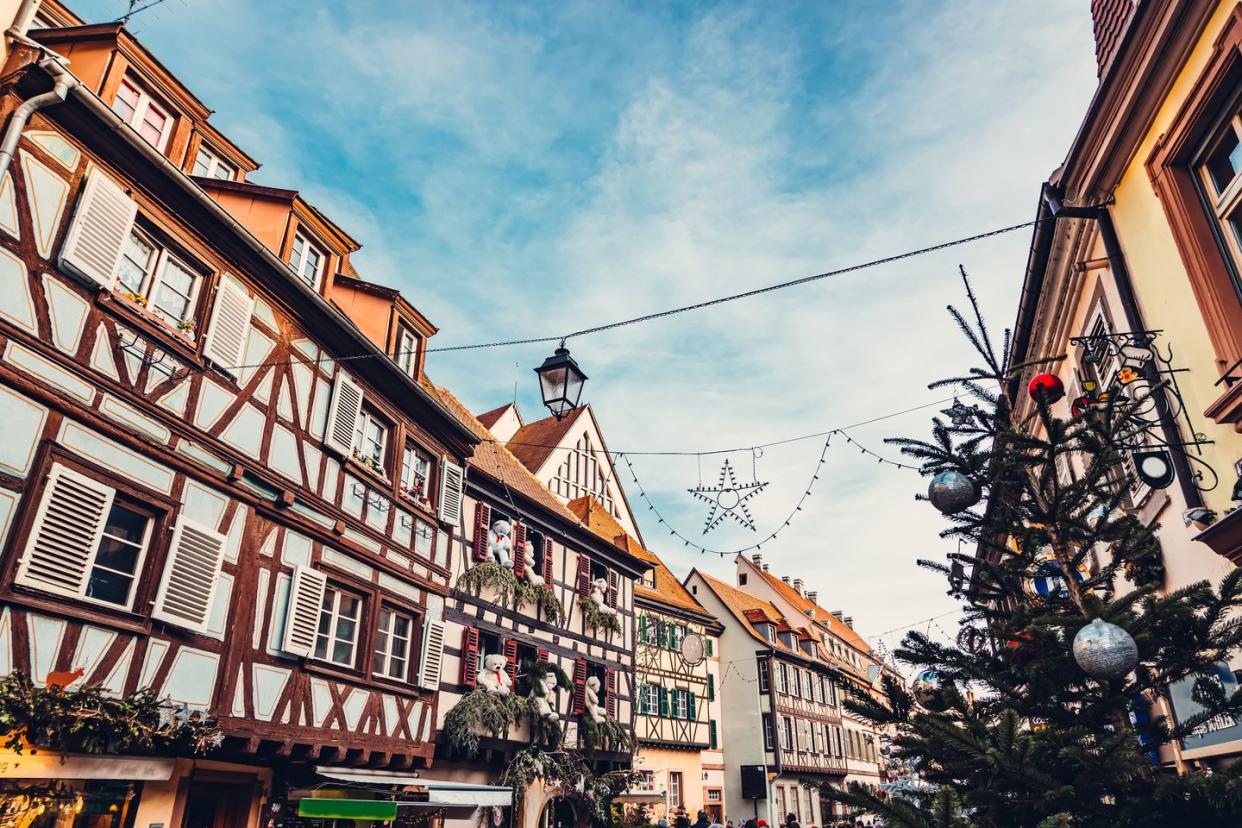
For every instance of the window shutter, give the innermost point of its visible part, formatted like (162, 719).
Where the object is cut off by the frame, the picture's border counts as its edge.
(228, 327)
(663, 694)
(66, 532)
(642, 629)
(711, 687)
(549, 573)
(302, 616)
(482, 521)
(451, 479)
(101, 224)
(662, 634)
(188, 583)
(709, 648)
(343, 414)
(610, 691)
(510, 651)
(432, 655)
(580, 677)
(614, 587)
(711, 735)
(543, 655)
(690, 706)
(584, 576)
(519, 553)
(469, 656)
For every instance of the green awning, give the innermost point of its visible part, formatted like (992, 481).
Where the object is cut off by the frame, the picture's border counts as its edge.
(347, 808)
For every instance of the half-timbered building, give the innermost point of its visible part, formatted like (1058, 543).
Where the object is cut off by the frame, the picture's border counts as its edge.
(212, 483)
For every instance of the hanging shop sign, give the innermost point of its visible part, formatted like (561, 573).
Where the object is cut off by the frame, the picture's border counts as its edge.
(1215, 731)
(49, 766)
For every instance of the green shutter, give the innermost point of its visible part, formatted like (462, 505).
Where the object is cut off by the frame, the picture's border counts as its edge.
(709, 647)
(711, 734)
(690, 706)
(642, 628)
(711, 687)
(662, 632)
(664, 701)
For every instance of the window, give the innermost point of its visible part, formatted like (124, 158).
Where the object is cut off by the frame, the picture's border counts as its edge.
(713, 794)
(782, 677)
(674, 788)
(1220, 177)
(581, 474)
(741, 579)
(649, 700)
(392, 645)
(156, 279)
(819, 691)
(767, 733)
(144, 115)
(337, 635)
(306, 260)
(424, 538)
(209, 165)
(786, 732)
(406, 352)
(797, 683)
(370, 440)
(115, 567)
(681, 704)
(676, 634)
(769, 632)
(762, 669)
(415, 473)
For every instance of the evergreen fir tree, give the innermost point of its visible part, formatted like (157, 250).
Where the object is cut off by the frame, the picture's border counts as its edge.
(1017, 734)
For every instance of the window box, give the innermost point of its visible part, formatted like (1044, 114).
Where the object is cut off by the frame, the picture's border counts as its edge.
(1224, 536)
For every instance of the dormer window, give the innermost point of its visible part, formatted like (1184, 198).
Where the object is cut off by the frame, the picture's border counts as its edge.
(209, 165)
(143, 114)
(405, 354)
(306, 260)
(769, 632)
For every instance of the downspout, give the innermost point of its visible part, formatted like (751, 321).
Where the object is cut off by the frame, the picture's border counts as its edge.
(22, 20)
(64, 81)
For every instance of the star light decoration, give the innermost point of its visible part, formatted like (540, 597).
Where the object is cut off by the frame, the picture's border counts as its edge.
(728, 499)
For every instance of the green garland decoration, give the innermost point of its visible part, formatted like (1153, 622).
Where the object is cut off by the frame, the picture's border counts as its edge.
(88, 720)
(543, 598)
(510, 590)
(540, 669)
(597, 620)
(606, 734)
(479, 709)
(572, 772)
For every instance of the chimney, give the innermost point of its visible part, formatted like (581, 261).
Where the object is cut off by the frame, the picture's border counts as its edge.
(810, 612)
(756, 558)
(785, 580)
(838, 614)
(765, 567)
(849, 620)
(1110, 19)
(812, 595)
(798, 585)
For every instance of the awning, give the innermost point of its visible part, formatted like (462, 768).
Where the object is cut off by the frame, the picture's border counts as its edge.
(440, 793)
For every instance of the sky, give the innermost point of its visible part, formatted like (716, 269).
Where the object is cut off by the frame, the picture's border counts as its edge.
(526, 169)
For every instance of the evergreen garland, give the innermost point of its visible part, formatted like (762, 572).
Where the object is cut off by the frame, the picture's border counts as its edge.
(594, 618)
(481, 710)
(607, 734)
(510, 590)
(544, 599)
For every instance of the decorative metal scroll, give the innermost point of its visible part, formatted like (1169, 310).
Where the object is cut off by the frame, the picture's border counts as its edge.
(1134, 370)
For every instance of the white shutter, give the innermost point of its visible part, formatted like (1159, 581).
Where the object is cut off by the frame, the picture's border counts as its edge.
(432, 655)
(302, 614)
(343, 414)
(451, 479)
(188, 584)
(66, 532)
(101, 224)
(225, 344)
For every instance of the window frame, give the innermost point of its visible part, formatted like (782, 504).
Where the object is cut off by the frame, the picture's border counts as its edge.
(422, 454)
(215, 162)
(395, 612)
(299, 269)
(368, 415)
(401, 352)
(163, 253)
(146, 102)
(335, 589)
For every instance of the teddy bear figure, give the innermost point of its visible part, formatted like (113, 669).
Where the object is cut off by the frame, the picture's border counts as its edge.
(543, 696)
(593, 708)
(499, 544)
(528, 555)
(494, 678)
(599, 595)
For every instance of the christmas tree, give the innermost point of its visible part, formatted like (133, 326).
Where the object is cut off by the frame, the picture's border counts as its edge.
(1008, 727)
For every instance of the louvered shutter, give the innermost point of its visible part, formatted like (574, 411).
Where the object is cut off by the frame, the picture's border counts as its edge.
(469, 656)
(710, 647)
(584, 576)
(101, 224)
(690, 706)
(663, 695)
(549, 573)
(610, 691)
(302, 614)
(510, 651)
(66, 532)
(229, 326)
(343, 414)
(188, 583)
(482, 522)
(451, 479)
(519, 551)
(580, 677)
(543, 655)
(662, 634)
(712, 741)
(432, 655)
(711, 687)
(642, 629)
(614, 587)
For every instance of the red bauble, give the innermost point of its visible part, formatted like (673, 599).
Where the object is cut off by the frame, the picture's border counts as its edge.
(1046, 387)
(1022, 647)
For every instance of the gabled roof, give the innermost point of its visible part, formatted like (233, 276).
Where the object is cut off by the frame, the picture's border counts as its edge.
(835, 625)
(668, 590)
(489, 418)
(748, 610)
(533, 442)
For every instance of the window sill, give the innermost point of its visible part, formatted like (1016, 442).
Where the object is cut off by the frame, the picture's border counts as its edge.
(117, 618)
(1227, 409)
(353, 462)
(337, 671)
(153, 327)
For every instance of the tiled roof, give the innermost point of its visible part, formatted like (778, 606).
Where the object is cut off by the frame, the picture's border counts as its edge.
(748, 609)
(533, 442)
(835, 625)
(668, 590)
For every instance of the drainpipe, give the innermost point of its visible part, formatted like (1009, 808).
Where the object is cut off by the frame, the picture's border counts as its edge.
(64, 81)
(22, 20)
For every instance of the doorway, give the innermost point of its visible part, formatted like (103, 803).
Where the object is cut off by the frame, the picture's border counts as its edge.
(217, 805)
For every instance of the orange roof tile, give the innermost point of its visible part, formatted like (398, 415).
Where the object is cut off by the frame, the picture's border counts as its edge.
(748, 609)
(533, 442)
(835, 625)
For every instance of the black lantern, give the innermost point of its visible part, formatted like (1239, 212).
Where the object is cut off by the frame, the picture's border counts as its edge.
(560, 380)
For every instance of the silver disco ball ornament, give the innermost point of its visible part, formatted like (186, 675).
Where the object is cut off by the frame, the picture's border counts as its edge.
(928, 690)
(952, 492)
(1105, 651)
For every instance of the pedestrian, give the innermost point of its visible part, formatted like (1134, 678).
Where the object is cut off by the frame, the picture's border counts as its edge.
(701, 820)
(681, 820)
(791, 821)
(728, 823)
(663, 823)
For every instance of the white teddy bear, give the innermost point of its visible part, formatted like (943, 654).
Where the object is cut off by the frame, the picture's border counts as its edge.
(599, 595)
(593, 707)
(499, 544)
(543, 696)
(528, 555)
(494, 678)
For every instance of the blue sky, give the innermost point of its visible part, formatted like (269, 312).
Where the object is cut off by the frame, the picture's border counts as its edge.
(522, 169)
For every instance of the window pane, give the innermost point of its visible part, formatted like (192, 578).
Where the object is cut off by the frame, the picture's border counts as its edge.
(126, 102)
(1225, 161)
(176, 284)
(135, 261)
(117, 555)
(126, 524)
(109, 586)
(202, 163)
(224, 171)
(153, 122)
(295, 257)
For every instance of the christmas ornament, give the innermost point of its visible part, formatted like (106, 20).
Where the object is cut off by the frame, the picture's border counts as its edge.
(927, 689)
(952, 492)
(1022, 647)
(1105, 651)
(728, 499)
(971, 640)
(959, 413)
(1154, 467)
(1048, 580)
(1046, 387)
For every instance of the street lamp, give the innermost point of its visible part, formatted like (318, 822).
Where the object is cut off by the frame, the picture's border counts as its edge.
(560, 380)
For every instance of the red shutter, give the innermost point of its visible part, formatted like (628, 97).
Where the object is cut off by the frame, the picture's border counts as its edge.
(469, 656)
(482, 522)
(549, 574)
(580, 677)
(509, 648)
(584, 576)
(610, 692)
(543, 655)
(614, 587)
(519, 552)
